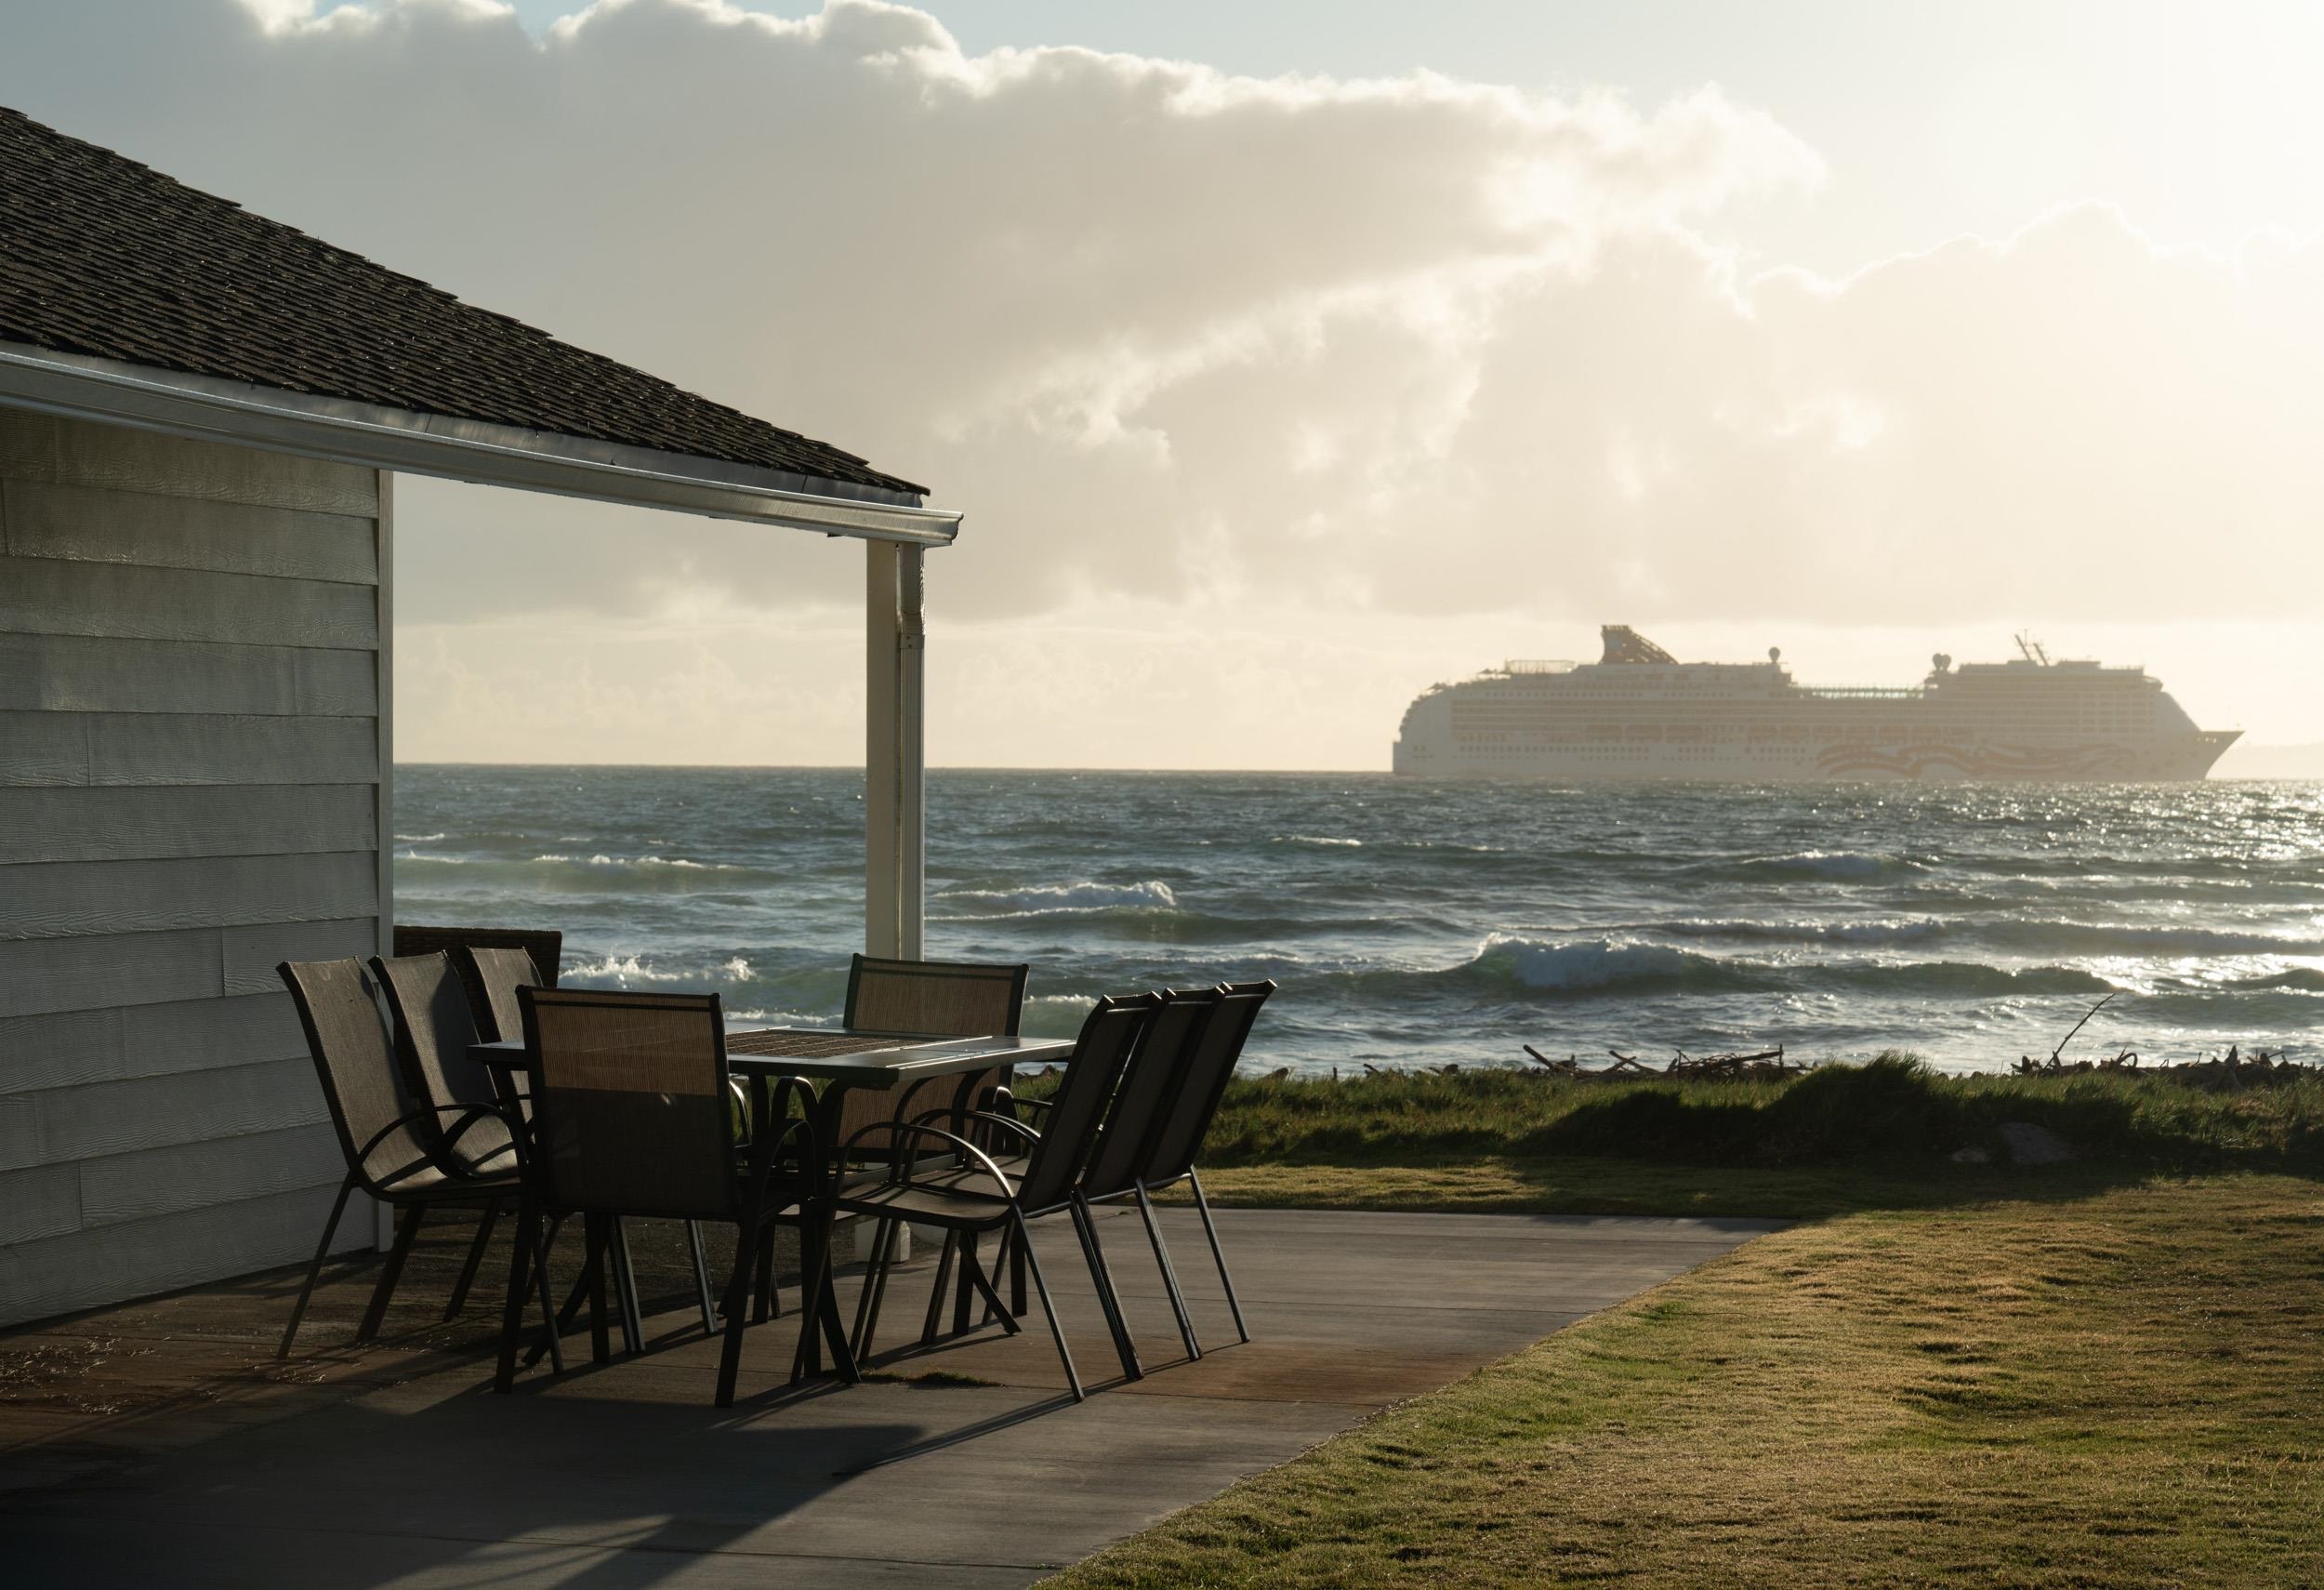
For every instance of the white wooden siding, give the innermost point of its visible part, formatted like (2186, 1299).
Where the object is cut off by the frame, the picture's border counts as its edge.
(192, 645)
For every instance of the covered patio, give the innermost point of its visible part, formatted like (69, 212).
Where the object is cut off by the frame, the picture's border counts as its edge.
(203, 414)
(159, 1443)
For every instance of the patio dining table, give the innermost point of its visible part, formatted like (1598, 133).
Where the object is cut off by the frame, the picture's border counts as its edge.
(843, 1060)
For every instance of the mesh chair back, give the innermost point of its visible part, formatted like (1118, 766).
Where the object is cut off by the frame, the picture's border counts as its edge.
(1212, 1067)
(631, 1109)
(546, 945)
(1150, 1084)
(941, 999)
(434, 1029)
(493, 977)
(356, 1065)
(433, 1032)
(1104, 1048)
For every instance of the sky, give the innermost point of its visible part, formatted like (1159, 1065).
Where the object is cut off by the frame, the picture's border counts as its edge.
(1288, 358)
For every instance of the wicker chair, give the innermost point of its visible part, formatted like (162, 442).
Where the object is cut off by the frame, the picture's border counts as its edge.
(406, 1158)
(631, 1116)
(967, 1194)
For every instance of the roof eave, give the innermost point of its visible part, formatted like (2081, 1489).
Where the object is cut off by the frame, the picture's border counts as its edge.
(205, 409)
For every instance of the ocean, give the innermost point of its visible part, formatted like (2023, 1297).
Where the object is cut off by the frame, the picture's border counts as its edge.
(1418, 925)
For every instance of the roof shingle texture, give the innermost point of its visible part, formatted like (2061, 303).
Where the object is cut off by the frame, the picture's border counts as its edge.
(103, 257)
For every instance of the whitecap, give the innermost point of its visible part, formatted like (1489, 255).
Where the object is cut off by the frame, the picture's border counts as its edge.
(623, 969)
(1084, 897)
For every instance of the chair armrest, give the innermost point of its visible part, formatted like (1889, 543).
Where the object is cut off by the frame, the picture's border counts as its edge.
(765, 1148)
(469, 1115)
(990, 1118)
(968, 1150)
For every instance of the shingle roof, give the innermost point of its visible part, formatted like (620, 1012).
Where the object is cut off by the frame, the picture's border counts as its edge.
(105, 256)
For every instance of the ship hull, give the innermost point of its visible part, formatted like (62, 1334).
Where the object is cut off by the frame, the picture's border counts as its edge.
(1640, 714)
(2180, 760)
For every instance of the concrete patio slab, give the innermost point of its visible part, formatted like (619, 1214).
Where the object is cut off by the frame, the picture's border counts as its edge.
(961, 1465)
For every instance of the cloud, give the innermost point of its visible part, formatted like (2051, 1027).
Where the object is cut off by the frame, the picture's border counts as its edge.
(1396, 345)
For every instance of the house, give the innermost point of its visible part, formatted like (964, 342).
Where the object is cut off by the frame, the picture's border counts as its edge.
(201, 416)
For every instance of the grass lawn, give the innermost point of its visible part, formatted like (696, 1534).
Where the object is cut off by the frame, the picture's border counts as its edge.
(2108, 1373)
(2101, 1381)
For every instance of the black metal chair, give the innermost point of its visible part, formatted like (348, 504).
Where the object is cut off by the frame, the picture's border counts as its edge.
(492, 976)
(967, 1194)
(1177, 1141)
(403, 1156)
(931, 999)
(1150, 1093)
(544, 946)
(631, 1115)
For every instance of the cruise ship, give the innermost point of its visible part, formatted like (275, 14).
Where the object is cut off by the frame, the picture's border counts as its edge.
(1640, 713)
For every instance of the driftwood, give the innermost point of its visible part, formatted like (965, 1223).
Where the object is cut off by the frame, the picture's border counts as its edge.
(2070, 1031)
(2230, 1072)
(1760, 1065)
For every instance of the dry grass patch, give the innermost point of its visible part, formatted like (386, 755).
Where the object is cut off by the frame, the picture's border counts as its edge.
(2119, 1389)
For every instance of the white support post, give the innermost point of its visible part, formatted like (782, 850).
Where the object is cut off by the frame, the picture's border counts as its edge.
(383, 1217)
(895, 816)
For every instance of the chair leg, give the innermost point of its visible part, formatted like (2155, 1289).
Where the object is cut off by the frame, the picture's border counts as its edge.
(625, 1286)
(406, 1233)
(1211, 1229)
(323, 1252)
(826, 1314)
(702, 1278)
(475, 1258)
(1109, 1300)
(1016, 1278)
(875, 1280)
(768, 1305)
(519, 1292)
(936, 1293)
(960, 1287)
(596, 1227)
(1003, 1261)
(1170, 1272)
(748, 1255)
(973, 1275)
(548, 1314)
(1049, 1307)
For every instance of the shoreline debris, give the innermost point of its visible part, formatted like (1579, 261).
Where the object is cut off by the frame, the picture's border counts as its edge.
(1762, 1066)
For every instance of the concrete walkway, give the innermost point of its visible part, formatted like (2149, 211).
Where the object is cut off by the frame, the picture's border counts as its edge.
(983, 1474)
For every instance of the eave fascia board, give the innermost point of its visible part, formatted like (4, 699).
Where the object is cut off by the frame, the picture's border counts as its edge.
(206, 409)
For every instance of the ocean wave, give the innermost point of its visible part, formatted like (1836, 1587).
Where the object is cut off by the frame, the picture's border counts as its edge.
(1839, 865)
(1905, 930)
(1528, 967)
(417, 839)
(2295, 979)
(2036, 936)
(1321, 841)
(680, 862)
(1579, 965)
(623, 971)
(1151, 894)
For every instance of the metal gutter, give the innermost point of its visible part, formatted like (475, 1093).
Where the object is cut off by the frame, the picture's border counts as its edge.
(208, 409)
